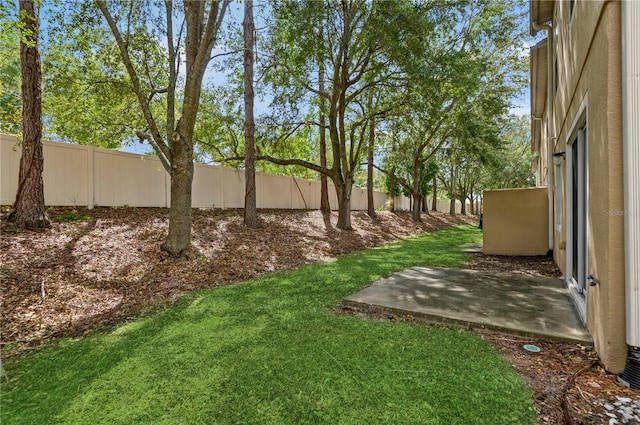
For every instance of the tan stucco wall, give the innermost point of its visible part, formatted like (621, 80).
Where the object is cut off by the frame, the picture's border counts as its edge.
(515, 222)
(589, 74)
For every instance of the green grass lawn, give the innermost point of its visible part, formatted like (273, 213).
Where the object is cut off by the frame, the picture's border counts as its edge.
(270, 351)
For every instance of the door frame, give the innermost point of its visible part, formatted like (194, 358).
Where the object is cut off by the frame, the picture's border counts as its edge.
(578, 139)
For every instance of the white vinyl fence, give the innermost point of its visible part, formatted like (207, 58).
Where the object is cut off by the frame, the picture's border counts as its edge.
(76, 175)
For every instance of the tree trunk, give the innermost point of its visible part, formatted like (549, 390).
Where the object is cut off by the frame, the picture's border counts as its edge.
(452, 203)
(324, 187)
(425, 205)
(343, 191)
(452, 207)
(250, 212)
(416, 208)
(179, 238)
(463, 208)
(176, 151)
(29, 209)
(416, 197)
(471, 205)
(371, 208)
(434, 202)
(392, 191)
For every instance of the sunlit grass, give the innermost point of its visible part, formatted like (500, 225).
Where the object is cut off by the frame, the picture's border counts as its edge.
(270, 351)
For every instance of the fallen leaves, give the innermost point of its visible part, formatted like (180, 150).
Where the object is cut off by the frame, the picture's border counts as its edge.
(528, 265)
(97, 267)
(107, 265)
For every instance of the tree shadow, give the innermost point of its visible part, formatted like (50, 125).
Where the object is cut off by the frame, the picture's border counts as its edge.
(111, 267)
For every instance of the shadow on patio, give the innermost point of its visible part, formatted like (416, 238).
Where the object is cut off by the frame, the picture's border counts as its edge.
(519, 304)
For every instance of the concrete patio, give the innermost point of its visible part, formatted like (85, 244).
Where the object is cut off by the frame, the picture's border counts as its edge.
(519, 304)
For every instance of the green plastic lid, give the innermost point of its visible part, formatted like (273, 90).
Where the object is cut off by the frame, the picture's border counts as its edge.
(531, 348)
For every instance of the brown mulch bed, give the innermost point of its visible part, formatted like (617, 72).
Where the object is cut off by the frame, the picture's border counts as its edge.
(95, 268)
(570, 385)
(533, 266)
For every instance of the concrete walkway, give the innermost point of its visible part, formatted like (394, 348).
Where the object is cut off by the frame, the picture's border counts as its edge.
(519, 304)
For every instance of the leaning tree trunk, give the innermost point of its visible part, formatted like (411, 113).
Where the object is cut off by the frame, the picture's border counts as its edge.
(29, 209)
(250, 207)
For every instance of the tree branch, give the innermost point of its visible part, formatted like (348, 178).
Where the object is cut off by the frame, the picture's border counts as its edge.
(155, 92)
(299, 162)
(173, 69)
(159, 144)
(219, 55)
(163, 159)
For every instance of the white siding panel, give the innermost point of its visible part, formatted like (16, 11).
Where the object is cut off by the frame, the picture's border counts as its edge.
(380, 200)
(306, 194)
(333, 197)
(360, 198)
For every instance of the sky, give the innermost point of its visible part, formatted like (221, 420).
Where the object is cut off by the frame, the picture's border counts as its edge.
(521, 105)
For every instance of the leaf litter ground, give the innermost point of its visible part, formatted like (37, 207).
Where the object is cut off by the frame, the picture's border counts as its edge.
(95, 268)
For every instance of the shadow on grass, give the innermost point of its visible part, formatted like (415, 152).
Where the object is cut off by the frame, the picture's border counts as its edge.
(279, 299)
(111, 267)
(269, 351)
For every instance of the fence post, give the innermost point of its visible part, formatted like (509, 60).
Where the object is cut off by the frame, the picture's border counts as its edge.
(259, 183)
(291, 189)
(90, 177)
(167, 188)
(222, 187)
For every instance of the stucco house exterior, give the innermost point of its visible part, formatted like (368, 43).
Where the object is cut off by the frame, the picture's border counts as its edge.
(585, 121)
